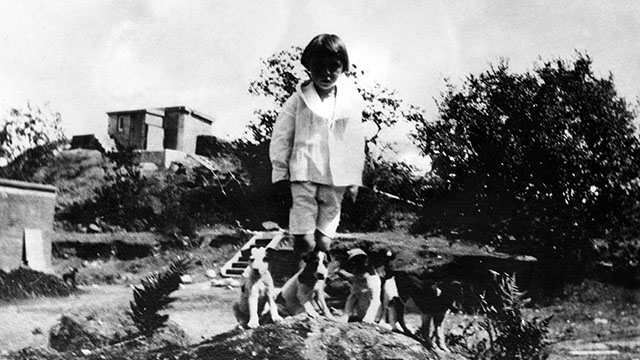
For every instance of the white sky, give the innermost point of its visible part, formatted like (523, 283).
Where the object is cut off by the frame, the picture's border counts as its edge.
(89, 57)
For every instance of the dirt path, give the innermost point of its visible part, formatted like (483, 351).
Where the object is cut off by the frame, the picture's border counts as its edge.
(204, 311)
(201, 311)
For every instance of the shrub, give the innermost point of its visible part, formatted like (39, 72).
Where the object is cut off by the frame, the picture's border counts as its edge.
(153, 297)
(505, 333)
(548, 158)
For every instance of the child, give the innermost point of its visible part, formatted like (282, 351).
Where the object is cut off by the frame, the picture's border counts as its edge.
(317, 147)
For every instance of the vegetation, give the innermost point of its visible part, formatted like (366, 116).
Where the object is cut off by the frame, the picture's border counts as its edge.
(26, 128)
(25, 283)
(153, 297)
(505, 332)
(548, 159)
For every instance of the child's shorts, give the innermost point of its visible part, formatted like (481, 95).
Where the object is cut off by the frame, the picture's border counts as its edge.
(315, 207)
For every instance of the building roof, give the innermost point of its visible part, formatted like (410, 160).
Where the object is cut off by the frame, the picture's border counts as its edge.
(162, 111)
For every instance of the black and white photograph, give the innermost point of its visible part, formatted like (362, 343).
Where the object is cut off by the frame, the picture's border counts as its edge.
(319, 180)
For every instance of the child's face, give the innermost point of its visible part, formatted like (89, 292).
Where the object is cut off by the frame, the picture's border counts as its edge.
(325, 71)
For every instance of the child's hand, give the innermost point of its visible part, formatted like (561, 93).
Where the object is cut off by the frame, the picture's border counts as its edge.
(282, 193)
(352, 192)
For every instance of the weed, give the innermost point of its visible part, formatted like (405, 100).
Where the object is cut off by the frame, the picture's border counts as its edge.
(505, 332)
(153, 296)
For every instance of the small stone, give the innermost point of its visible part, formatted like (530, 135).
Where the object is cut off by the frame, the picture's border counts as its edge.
(600, 321)
(211, 274)
(186, 279)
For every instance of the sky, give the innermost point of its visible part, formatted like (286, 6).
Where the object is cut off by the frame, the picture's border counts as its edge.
(86, 58)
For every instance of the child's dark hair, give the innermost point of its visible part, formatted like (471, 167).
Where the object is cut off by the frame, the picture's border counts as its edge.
(325, 45)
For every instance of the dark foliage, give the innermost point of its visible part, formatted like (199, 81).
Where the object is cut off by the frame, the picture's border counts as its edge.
(153, 297)
(547, 158)
(24, 283)
(505, 332)
(25, 166)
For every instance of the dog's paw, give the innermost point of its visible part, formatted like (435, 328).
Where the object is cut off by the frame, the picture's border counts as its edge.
(252, 324)
(368, 320)
(313, 314)
(277, 318)
(331, 317)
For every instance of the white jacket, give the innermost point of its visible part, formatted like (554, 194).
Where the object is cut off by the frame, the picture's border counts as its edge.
(326, 149)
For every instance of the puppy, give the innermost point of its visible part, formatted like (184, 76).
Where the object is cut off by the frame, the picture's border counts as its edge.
(363, 302)
(257, 295)
(70, 276)
(305, 290)
(433, 299)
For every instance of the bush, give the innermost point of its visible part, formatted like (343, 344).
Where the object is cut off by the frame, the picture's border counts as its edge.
(506, 333)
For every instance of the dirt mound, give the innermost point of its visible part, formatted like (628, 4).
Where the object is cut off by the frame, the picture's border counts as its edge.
(100, 329)
(24, 283)
(320, 339)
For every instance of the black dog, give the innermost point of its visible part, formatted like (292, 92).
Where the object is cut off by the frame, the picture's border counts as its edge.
(434, 299)
(70, 276)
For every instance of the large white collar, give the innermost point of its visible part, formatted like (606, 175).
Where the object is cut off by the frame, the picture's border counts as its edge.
(311, 98)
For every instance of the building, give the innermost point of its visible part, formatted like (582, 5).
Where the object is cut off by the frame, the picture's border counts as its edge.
(159, 129)
(26, 224)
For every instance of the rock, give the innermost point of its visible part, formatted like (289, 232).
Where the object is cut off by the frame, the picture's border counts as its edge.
(74, 333)
(600, 321)
(309, 339)
(186, 279)
(102, 329)
(211, 274)
(94, 228)
(226, 282)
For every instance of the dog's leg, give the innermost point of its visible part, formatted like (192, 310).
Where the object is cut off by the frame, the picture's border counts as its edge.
(254, 295)
(273, 307)
(322, 304)
(438, 331)
(400, 313)
(425, 330)
(306, 302)
(392, 313)
(374, 305)
(348, 306)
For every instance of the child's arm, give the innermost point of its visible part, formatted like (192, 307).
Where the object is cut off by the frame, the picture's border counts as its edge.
(282, 142)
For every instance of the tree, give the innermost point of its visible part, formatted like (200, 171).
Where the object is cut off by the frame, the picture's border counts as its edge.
(281, 73)
(23, 129)
(545, 155)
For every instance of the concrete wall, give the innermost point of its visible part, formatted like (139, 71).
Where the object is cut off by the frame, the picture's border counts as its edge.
(133, 132)
(193, 128)
(173, 128)
(24, 205)
(163, 159)
(154, 132)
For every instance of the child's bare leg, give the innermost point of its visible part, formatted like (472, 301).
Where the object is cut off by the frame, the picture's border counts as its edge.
(322, 241)
(303, 245)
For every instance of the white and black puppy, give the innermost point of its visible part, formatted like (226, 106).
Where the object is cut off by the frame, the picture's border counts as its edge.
(304, 291)
(364, 301)
(257, 297)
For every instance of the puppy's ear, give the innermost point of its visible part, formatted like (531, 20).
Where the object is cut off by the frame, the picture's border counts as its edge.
(270, 254)
(327, 257)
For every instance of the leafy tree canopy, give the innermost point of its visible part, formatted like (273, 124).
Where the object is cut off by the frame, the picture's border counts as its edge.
(23, 129)
(546, 154)
(281, 73)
